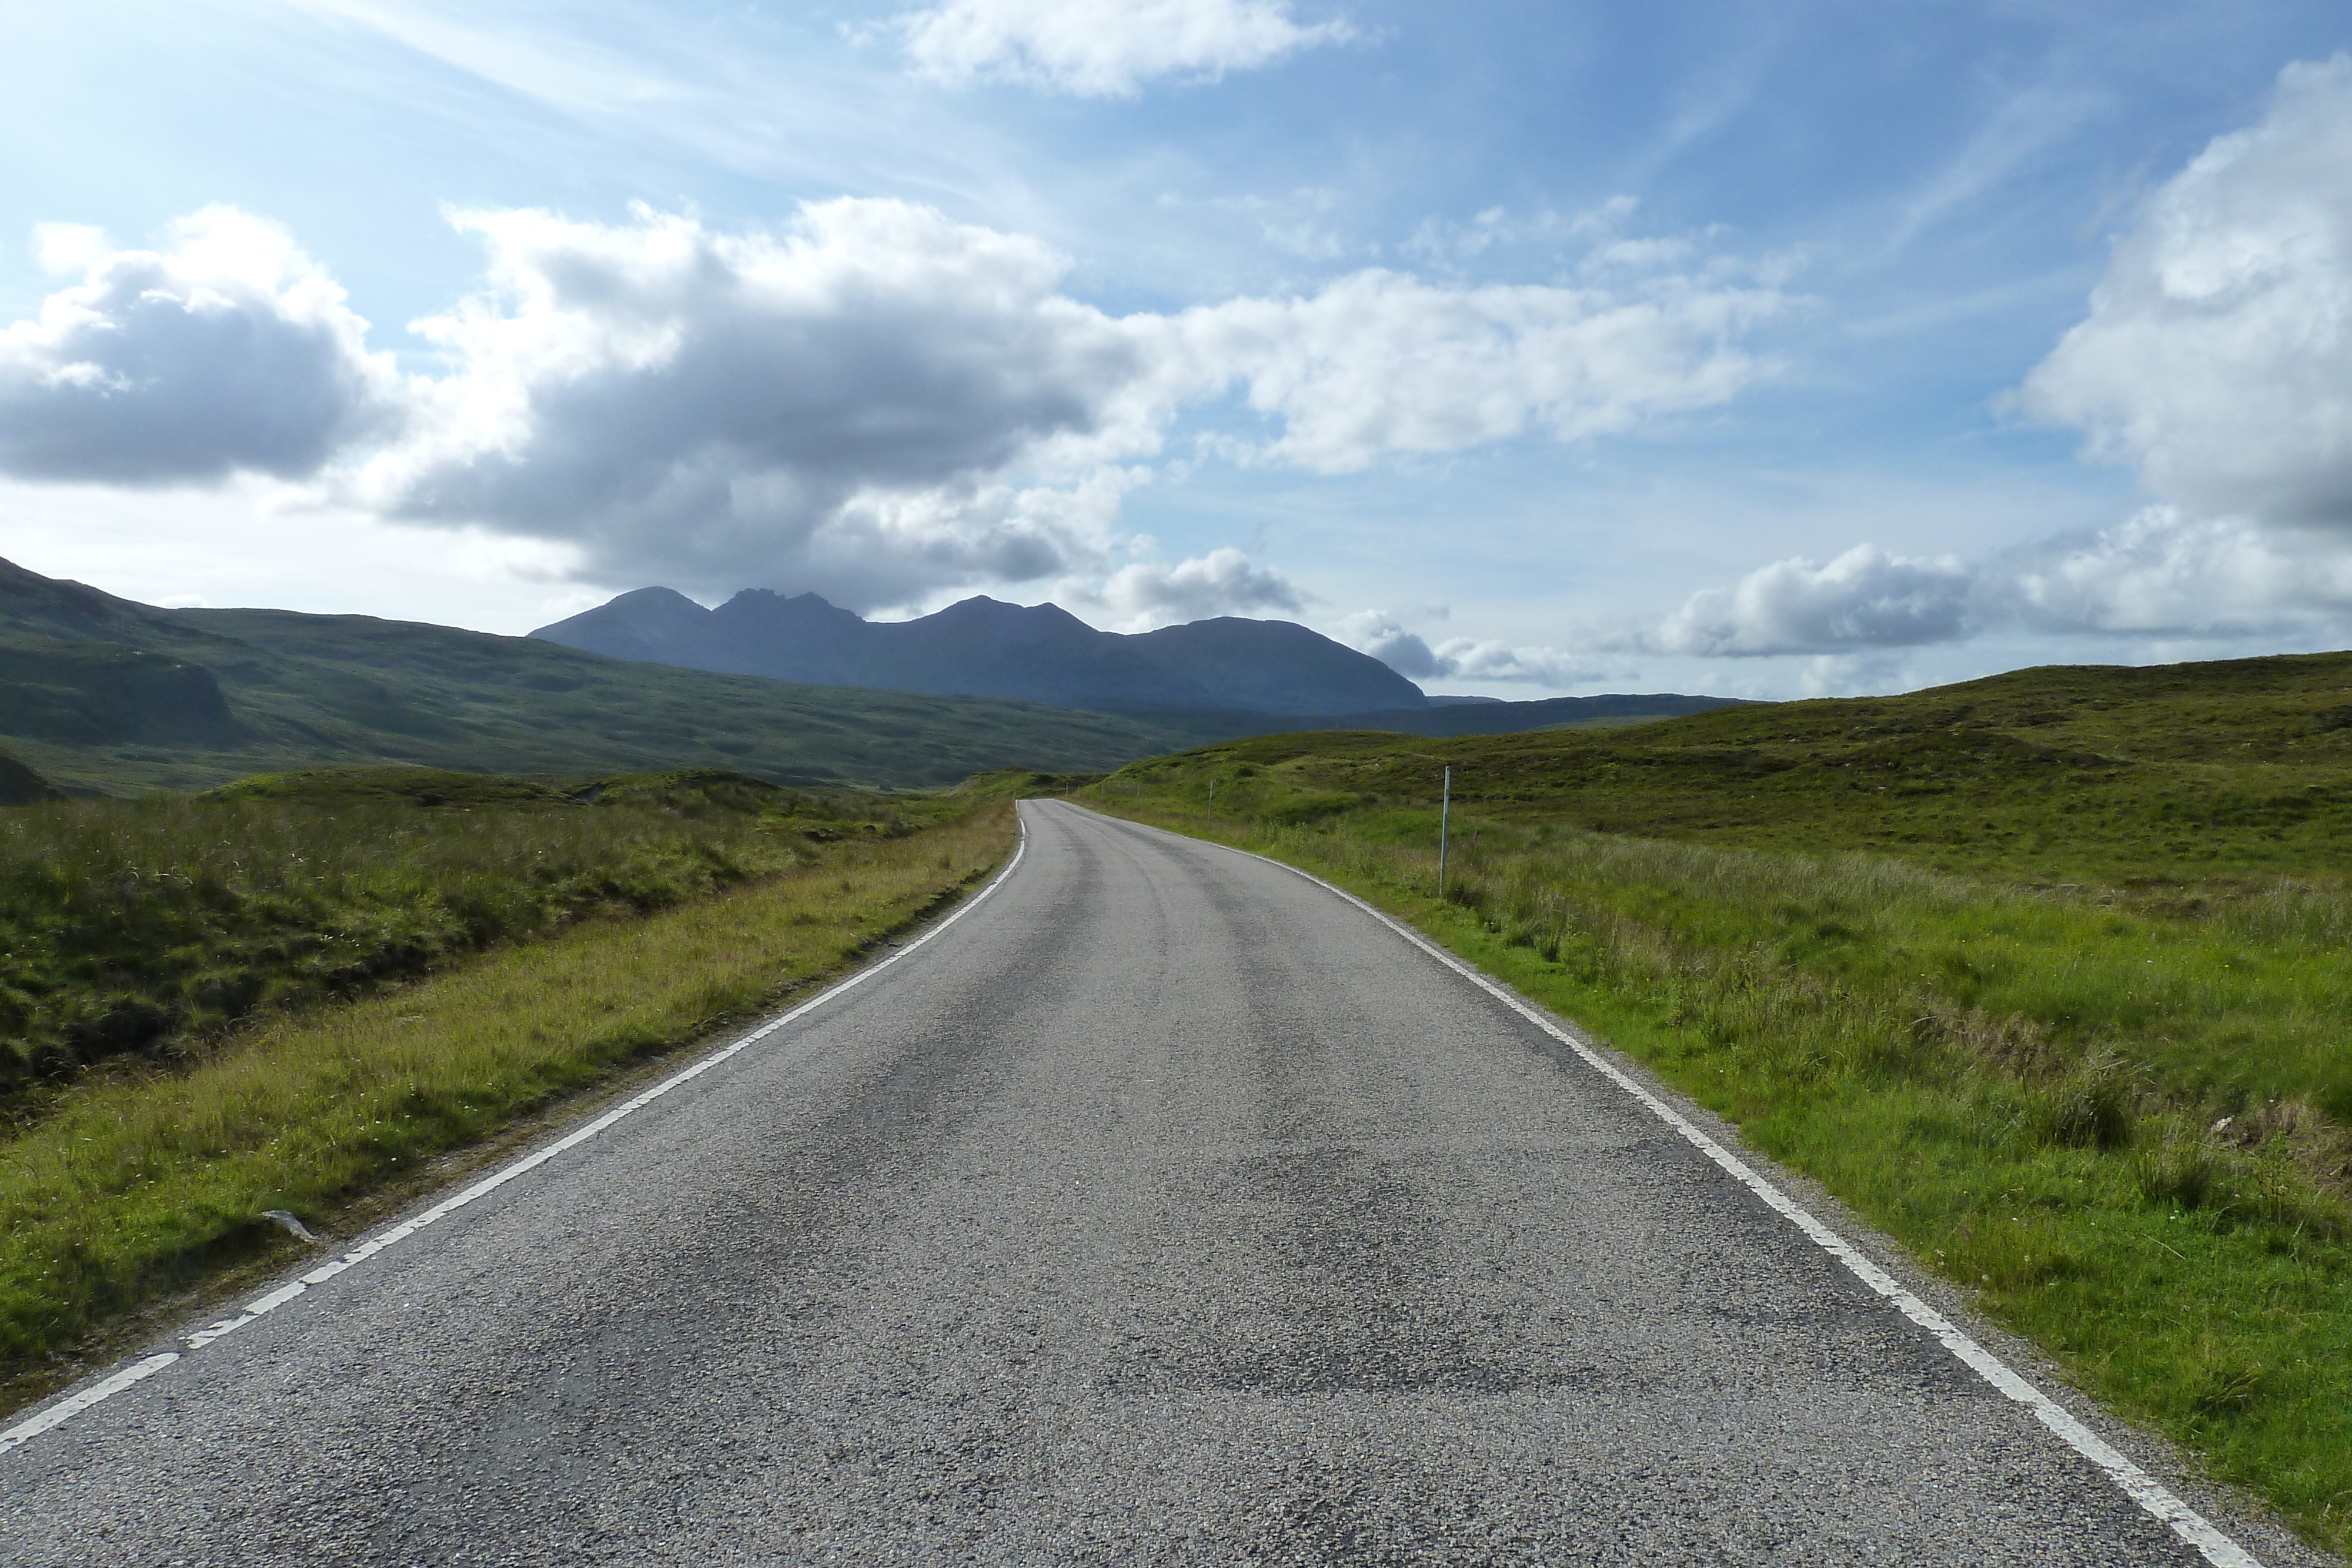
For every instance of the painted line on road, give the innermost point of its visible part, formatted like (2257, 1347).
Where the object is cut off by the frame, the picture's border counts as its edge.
(73, 1405)
(2142, 1487)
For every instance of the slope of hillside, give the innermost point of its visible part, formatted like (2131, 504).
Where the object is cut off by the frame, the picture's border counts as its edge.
(2182, 772)
(102, 693)
(980, 646)
(20, 786)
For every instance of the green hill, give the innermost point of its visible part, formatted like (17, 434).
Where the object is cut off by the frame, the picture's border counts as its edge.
(102, 695)
(2181, 773)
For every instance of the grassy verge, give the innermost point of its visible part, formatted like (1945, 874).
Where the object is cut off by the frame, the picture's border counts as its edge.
(2027, 1091)
(147, 928)
(128, 1189)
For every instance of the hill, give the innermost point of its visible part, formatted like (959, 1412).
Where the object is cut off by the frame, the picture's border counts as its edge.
(982, 647)
(2177, 773)
(1489, 715)
(20, 786)
(103, 695)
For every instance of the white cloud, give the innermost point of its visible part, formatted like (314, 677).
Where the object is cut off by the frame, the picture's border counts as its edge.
(1865, 598)
(863, 405)
(1380, 361)
(2166, 572)
(1222, 582)
(1484, 659)
(69, 247)
(876, 401)
(882, 402)
(2217, 356)
(1103, 49)
(1387, 639)
(228, 351)
(2163, 572)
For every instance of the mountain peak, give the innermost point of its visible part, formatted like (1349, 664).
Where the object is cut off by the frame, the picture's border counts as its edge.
(982, 646)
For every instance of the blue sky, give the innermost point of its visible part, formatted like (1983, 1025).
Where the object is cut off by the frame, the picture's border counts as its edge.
(1538, 348)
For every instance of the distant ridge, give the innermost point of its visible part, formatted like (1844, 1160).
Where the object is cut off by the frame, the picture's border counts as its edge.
(1458, 716)
(101, 695)
(984, 647)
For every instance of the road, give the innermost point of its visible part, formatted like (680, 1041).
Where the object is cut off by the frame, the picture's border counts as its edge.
(1167, 1210)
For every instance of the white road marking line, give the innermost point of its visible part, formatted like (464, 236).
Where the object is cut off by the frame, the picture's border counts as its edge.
(73, 1405)
(2135, 1483)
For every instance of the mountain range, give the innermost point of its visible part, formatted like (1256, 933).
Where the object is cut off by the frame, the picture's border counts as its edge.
(105, 694)
(984, 647)
(109, 696)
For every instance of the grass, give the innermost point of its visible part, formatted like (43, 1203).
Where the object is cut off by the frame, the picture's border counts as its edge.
(2085, 1063)
(2188, 776)
(151, 926)
(137, 1184)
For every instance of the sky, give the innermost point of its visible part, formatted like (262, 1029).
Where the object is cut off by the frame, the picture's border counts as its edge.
(1538, 346)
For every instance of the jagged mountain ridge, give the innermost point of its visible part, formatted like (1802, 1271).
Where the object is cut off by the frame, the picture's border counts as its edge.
(984, 647)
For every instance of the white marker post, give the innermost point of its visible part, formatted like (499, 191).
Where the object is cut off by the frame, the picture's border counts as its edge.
(1444, 810)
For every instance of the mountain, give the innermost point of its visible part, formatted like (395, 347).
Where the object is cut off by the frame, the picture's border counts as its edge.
(981, 647)
(101, 694)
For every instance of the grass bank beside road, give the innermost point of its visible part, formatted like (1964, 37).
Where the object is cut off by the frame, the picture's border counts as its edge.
(137, 1183)
(146, 928)
(2114, 1112)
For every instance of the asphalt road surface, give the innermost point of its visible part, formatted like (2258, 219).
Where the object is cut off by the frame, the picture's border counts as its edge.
(1167, 1210)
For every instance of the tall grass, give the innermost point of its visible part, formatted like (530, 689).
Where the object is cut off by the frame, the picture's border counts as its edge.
(2120, 1129)
(151, 926)
(131, 1187)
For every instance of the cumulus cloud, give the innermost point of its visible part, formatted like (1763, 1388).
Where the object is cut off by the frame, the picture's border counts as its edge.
(1387, 639)
(2163, 571)
(229, 350)
(1381, 362)
(2166, 572)
(1222, 582)
(1866, 598)
(882, 402)
(1103, 49)
(843, 406)
(1486, 659)
(875, 401)
(2217, 356)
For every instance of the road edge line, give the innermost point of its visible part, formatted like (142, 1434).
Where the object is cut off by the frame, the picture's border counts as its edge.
(56, 1412)
(2153, 1497)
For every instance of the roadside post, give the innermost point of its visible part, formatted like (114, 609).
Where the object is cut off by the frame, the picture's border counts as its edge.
(1444, 811)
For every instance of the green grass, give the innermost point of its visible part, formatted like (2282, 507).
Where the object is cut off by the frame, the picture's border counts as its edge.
(101, 695)
(1999, 1004)
(151, 926)
(2197, 776)
(133, 1186)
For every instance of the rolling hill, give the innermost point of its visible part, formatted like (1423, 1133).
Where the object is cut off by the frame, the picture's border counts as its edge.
(101, 694)
(2173, 774)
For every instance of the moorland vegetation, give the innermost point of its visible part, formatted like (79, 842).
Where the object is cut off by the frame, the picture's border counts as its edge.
(2050, 975)
(309, 992)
